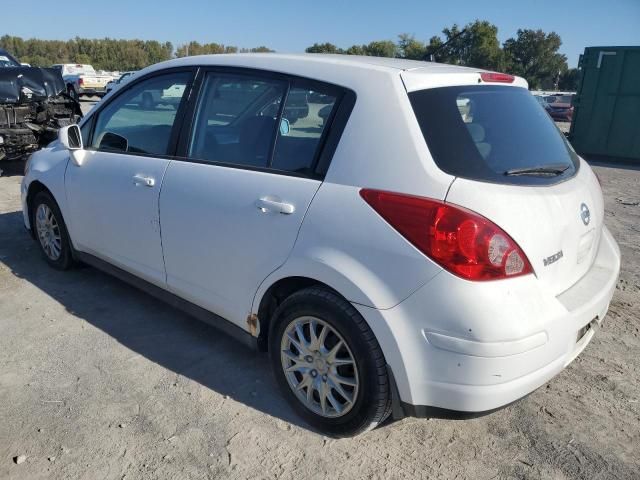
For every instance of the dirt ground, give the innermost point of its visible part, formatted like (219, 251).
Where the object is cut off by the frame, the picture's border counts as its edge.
(100, 381)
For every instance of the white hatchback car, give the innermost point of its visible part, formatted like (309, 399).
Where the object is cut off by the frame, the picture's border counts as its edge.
(402, 237)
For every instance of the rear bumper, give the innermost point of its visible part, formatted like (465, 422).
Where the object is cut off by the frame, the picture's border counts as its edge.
(91, 91)
(475, 347)
(561, 116)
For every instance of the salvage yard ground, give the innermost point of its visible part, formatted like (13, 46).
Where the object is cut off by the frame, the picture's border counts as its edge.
(98, 380)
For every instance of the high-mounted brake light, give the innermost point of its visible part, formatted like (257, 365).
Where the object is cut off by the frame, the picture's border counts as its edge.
(497, 77)
(461, 241)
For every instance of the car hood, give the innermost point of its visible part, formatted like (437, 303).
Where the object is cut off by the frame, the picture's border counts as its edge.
(29, 84)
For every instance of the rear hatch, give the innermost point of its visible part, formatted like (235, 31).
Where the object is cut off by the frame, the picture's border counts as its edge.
(514, 167)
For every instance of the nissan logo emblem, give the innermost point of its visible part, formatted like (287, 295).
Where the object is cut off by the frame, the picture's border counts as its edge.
(585, 214)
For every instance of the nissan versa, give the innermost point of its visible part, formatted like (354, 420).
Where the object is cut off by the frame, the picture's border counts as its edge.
(402, 237)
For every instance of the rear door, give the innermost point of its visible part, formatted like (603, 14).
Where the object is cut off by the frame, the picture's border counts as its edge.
(513, 166)
(231, 209)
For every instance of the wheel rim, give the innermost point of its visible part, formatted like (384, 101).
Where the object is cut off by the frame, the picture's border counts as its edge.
(319, 367)
(48, 232)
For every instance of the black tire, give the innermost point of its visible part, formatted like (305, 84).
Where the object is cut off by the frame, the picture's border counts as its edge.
(73, 93)
(65, 259)
(372, 404)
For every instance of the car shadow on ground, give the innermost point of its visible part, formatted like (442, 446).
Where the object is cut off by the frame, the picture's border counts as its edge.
(147, 326)
(612, 162)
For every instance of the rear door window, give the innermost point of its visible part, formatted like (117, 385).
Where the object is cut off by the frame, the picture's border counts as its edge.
(305, 116)
(266, 122)
(236, 119)
(493, 133)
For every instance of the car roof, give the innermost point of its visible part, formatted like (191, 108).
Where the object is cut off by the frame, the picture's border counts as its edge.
(276, 61)
(351, 71)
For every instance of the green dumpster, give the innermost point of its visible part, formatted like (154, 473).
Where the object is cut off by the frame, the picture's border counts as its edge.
(606, 117)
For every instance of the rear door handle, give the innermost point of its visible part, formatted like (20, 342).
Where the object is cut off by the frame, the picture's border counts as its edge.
(266, 205)
(142, 180)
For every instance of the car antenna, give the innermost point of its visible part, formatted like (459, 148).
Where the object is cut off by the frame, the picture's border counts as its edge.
(430, 56)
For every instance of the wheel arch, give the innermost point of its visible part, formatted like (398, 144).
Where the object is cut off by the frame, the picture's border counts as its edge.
(274, 295)
(299, 273)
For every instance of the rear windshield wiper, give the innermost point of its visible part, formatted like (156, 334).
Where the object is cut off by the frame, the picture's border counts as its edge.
(541, 170)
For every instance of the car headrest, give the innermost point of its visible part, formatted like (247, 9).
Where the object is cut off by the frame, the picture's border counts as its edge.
(476, 131)
(253, 128)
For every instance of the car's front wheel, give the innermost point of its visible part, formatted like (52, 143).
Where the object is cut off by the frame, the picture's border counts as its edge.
(51, 232)
(72, 92)
(329, 364)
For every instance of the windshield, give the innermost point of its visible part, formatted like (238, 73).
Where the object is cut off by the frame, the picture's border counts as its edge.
(497, 134)
(7, 61)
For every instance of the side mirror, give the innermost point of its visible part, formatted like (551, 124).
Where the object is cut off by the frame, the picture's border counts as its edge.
(113, 142)
(285, 127)
(70, 137)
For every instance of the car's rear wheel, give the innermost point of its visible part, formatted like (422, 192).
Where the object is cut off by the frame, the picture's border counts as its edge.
(51, 232)
(328, 363)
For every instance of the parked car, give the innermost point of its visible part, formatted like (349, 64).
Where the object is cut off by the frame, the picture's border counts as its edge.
(33, 105)
(561, 109)
(543, 101)
(8, 60)
(392, 258)
(126, 76)
(83, 80)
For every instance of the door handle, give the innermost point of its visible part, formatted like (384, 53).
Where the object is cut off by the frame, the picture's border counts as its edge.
(266, 205)
(142, 180)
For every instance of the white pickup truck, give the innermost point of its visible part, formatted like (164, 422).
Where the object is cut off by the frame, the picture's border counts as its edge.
(83, 80)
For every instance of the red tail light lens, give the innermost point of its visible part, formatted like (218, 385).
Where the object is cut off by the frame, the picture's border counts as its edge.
(497, 77)
(461, 241)
(80, 81)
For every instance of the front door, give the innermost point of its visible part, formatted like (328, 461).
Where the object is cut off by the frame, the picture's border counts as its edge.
(113, 196)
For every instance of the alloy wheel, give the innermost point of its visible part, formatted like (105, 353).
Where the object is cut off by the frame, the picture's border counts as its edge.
(48, 232)
(319, 367)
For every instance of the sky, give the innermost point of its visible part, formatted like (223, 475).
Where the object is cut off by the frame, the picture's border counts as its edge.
(293, 25)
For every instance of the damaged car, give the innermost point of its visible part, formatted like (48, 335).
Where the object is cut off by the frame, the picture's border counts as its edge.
(33, 106)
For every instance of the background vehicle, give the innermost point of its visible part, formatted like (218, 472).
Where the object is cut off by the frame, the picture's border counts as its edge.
(543, 101)
(391, 255)
(560, 108)
(7, 60)
(33, 106)
(126, 76)
(83, 80)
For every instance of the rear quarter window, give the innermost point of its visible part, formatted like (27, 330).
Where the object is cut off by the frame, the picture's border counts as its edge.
(485, 133)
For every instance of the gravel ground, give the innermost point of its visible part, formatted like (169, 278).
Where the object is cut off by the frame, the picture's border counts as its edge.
(98, 380)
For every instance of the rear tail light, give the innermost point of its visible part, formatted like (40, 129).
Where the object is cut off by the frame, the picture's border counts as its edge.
(80, 81)
(461, 241)
(497, 77)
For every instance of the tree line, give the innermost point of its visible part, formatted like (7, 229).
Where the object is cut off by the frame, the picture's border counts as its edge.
(103, 54)
(532, 54)
(108, 53)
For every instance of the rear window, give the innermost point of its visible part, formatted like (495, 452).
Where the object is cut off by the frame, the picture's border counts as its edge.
(496, 134)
